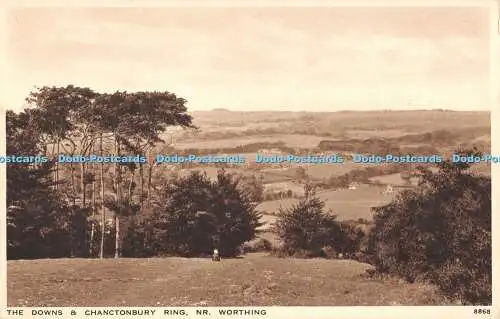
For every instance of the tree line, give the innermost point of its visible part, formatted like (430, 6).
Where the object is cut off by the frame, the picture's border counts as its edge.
(75, 120)
(431, 142)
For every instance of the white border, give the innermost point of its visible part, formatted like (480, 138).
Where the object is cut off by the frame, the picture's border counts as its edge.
(253, 3)
(3, 177)
(282, 312)
(495, 144)
(386, 312)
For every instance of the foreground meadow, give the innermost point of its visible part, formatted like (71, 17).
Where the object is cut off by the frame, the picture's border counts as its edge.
(256, 279)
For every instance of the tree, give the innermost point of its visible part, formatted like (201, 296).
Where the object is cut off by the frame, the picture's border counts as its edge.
(63, 118)
(440, 232)
(38, 226)
(135, 122)
(77, 119)
(196, 215)
(306, 226)
(58, 114)
(252, 186)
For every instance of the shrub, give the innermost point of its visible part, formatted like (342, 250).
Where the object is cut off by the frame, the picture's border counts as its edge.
(253, 186)
(305, 253)
(279, 252)
(136, 242)
(196, 215)
(306, 229)
(259, 245)
(440, 232)
(262, 245)
(328, 252)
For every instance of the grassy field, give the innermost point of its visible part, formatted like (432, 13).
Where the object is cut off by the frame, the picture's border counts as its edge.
(347, 204)
(256, 280)
(220, 129)
(278, 175)
(404, 121)
(269, 176)
(212, 171)
(393, 179)
(326, 171)
(291, 140)
(362, 134)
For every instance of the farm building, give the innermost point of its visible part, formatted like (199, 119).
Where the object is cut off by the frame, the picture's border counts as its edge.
(270, 151)
(389, 190)
(353, 186)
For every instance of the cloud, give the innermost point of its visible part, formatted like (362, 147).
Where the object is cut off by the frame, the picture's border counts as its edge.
(254, 61)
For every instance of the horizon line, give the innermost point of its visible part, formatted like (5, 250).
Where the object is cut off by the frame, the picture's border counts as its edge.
(342, 110)
(306, 111)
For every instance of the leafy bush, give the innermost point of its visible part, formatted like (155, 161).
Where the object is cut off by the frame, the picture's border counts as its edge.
(329, 252)
(253, 187)
(196, 215)
(440, 232)
(306, 229)
(40, 223)
(136, 240)
(259, 245)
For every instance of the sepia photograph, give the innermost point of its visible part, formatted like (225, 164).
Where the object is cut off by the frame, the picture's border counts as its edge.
(248, 156)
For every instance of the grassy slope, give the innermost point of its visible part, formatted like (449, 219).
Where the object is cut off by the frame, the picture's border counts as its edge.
(347, 204)
(253, 280)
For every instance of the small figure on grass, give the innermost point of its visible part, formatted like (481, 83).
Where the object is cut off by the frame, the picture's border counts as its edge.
(215, 255)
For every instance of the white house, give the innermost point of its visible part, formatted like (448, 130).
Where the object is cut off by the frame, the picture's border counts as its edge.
(389, 189)
(353, 186)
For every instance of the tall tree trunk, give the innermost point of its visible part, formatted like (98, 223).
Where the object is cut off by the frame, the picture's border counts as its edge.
(57, 163)
(141, 177)
(130, 184)
(118, 198)
(83, 188)
(103, 209)
(73, 184)
(150, 176)
(92, 230)
(54, 175)
(83, 185)
(117, 238)
(92, 227)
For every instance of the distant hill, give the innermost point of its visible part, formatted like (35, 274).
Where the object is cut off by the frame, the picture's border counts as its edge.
(220, 109)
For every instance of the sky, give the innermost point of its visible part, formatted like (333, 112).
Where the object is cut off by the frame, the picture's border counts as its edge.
(282, 59)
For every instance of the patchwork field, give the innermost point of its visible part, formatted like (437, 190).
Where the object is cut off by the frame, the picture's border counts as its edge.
(361, 134)
(256, 280)
(346, 204)
(393, 179)
(347, 121)
(212, 171)
(291, 140)
(295, 187)
(325, 171)
(270, 176)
